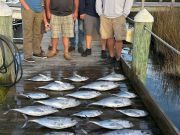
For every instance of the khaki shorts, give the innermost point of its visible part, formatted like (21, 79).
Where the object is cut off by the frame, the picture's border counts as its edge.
(62, 24)
(113, 27)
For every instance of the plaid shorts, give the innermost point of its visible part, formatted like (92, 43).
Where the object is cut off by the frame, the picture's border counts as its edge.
(62, 24)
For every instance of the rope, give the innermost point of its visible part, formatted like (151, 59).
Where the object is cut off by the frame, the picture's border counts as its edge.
(16, 60)
(165, 43)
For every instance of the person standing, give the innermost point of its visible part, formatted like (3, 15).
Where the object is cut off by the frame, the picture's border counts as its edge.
(80, 36)
(113, 15)
(91, 24)
(62, 14)
(32, 16)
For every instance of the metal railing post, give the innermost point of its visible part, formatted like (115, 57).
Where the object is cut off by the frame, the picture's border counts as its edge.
(141, 43)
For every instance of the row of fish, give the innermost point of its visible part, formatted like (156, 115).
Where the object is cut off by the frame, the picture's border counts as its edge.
(50, 106)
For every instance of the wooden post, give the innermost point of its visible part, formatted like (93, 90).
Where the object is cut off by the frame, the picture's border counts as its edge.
(6, 30)
(141, 43)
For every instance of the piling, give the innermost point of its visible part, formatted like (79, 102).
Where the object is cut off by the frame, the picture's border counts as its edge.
(6, 30)
(141, 43)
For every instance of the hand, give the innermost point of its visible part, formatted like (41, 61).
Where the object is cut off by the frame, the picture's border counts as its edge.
(82, 16)
(47, 26)
(75, 15)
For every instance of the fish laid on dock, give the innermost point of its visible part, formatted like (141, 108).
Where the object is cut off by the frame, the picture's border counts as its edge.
(113, 102)
(40, 110)
(55, 122)
(127, 132)
(113, 124)
(125, 94)
(88, 113)
(59, 133)
(84, 94)
(60, 102)
(40, 78)
(34, 95)
(101, 85)
(77, 78)
(113, 77)
(58, 86)
(134, 112)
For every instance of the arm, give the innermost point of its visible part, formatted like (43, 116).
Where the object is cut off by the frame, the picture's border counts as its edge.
(47, 9)
(127, 7)
(76, 5)
(82, 9)
(46, 24)
(24, 4)
(99, 7)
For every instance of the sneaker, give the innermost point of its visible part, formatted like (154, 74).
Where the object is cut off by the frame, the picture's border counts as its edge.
(80, 49)
(117, 65)
(111, 60)
(71, 48)
(86, 53)
(51, 54)
(30, 60)
(41, 55)
(67, 56)
(103, 54)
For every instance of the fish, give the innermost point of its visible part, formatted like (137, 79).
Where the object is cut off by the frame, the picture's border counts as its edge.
(113, 102)
(55, 122)
(58, 86)
(40, 78)
(77, 78)
(101, 85)
(85, 94)
(125, 94)
(40, 110)
(60, 102)
(127, 132)
(113, 77)
(34, 95)
(134, 112)
(59, 133)
(113, 124)
(88, 113)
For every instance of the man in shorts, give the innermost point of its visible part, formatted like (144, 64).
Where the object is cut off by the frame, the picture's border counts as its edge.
(113, 15)
(62, 14)
(91, 24)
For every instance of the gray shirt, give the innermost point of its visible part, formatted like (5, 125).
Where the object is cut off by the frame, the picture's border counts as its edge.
(113, 8)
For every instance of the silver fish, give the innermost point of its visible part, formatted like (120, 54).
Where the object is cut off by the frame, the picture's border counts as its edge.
(127, 132)
(113, 124)
(134, 112)
(34, 95)
(60, 133)
(85, 94)
(88, 113)
(113, 77)
(60, 102)
(55, 122)
(77, 78)
(125, 94)
(101, 85)
(113, 102)
(40, 78)
(40, 110)
(58, 86)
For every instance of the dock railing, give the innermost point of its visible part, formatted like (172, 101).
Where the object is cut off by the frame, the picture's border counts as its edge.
(143, 22)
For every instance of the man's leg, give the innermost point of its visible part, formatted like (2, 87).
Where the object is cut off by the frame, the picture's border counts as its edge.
(80, 36)
(73, 41)
(67, 56)
(103, 48)
(118, 46)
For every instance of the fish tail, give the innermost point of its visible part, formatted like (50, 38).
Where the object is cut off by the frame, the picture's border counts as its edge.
(26, 121)
(6, 112)
(84, 131)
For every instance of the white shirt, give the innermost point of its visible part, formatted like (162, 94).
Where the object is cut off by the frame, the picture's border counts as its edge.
(113, 8)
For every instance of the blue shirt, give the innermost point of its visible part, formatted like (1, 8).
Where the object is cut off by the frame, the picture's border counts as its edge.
(35, 5)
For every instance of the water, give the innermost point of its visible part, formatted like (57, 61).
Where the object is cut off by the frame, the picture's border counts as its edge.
(12, 122)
